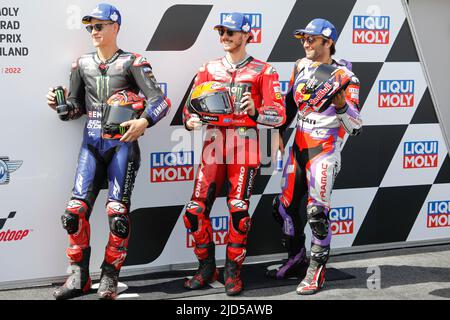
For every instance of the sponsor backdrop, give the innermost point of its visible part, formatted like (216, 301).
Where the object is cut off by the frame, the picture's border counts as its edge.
(394, 185)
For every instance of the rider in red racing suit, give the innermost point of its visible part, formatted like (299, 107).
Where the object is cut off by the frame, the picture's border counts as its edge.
(314, 160)
(231, 153)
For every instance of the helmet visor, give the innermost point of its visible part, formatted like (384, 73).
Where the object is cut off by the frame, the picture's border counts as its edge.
(217, 103)
(118, 114)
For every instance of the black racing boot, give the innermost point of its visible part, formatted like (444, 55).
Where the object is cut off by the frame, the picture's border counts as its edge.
(206, 272)
(107, 289)
(297, 262)
(79, 282)
(232, 277)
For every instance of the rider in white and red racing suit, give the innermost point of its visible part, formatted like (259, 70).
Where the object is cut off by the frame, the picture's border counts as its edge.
(313, 163)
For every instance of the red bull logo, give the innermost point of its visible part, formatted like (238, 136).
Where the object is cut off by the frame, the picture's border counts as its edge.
(342, 220)
(438, 214)
(420, 154)
(395, 93)
(172, 166)
(371, 29)
(220, 232)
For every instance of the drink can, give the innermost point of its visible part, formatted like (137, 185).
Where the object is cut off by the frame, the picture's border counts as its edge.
(279, 161)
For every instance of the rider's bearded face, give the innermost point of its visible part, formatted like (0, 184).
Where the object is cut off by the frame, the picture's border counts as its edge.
(233, 43)
(316, 47)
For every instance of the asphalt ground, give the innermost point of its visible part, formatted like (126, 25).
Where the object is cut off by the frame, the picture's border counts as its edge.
(421, 273)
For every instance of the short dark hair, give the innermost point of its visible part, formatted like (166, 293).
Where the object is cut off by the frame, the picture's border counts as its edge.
(332, 48)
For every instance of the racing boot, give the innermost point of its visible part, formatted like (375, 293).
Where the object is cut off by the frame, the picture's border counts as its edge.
(79, 282)
(295, 266)
(314, 279)
(207, 271)
(315, 276)
(107, 289)
(232, 276)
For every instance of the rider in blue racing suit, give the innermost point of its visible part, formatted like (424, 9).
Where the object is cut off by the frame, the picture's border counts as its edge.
(94, 78)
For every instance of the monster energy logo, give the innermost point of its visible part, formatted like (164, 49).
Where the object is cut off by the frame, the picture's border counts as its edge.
(122, 130)
(102, 86)
(60, 96)
(239, 90)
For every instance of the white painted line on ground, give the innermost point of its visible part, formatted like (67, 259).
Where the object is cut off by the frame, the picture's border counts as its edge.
(128, 296)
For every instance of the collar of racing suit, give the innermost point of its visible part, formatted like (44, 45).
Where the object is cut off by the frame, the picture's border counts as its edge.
(238, 65)
(110, 60)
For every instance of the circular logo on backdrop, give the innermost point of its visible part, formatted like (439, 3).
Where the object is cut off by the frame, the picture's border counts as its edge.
(3, 172)
(6, 167)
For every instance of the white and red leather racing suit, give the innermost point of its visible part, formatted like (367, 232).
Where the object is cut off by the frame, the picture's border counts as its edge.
(313, 164)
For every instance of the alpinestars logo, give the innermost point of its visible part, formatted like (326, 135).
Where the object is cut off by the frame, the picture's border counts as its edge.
(11, 235)
(7, 167)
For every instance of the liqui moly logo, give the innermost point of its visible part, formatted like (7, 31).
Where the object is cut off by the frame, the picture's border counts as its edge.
(163, 87)
(438, 214)
(371, 29)
(395, 93)
(420, 154)
(220, 232)
(255, 23)
(172, 166)
(284, 85)
(342, 220)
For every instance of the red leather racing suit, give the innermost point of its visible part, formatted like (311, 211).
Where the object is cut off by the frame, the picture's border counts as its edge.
(232, 153)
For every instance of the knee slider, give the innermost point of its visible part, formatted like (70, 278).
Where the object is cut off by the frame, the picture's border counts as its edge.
(70, 222)
(318, 221)
(70, 218)
(239, 215)
(194, 211)
(119, 222)
(241, 221)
